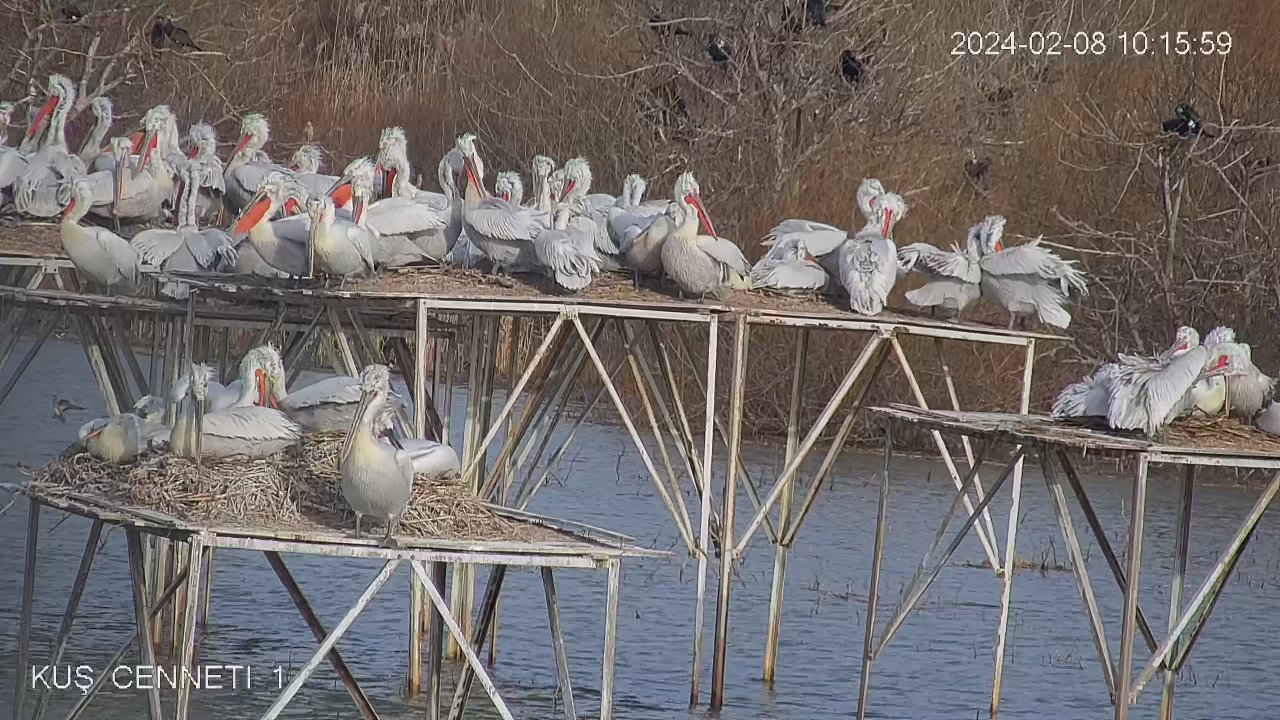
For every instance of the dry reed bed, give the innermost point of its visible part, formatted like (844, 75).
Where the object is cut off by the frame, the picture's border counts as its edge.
(298, 490)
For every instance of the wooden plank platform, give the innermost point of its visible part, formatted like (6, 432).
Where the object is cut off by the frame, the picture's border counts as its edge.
(1248, 448)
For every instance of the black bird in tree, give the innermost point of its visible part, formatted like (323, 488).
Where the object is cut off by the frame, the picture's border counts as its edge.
(977, 170)
(164, 32)
(1185, 122)
(718, 50)
(851, 67)
(69, 14)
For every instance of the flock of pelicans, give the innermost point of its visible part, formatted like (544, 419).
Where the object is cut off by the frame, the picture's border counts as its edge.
(1211, 379)
(255, 417)
(293, 221)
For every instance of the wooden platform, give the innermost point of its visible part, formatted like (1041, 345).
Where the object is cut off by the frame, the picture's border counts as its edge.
(1187, 443)
(560, 544)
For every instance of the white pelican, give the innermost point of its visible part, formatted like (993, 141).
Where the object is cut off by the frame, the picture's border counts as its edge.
(35, 191)
(307, 159)
(1244, 395)
(568, 254)
(134, 195)
(953, 277)
(699, 264)
(281, 244)
(236, 432)
(339, 247)
(187, 248)
(251, 388)
(509, 186)
(325, 406)
(541, 169)
(502, 230)
(390, 250)
(577, 186)
(1149, 397)
(6, 121)
(1091, 397)
(1028, 279)
(377, 479)
(869, 260)
(160, 150)
(408, 231)
(121, 438)
(820, 239)
(1269, 419)
(93, 145)
(245, 169)
(212, 184)
(393, 159)
(797, 270)
(103, 256)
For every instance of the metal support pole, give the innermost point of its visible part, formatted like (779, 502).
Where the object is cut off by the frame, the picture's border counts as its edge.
(68, 617)
(737, 390)
(557, 641)
(1180, 544)
(471, 647)
(435, 642)
(1137, 514)
(877, 557)
(146, 649)
(28, 601)
(45, 331)
(610, 639)
(799, 366)
(704, 515)
(187, 645)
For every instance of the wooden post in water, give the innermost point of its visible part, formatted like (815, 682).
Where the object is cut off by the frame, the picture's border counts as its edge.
(28, 602)
(1180, 544)
(737, 390)
(1137, 514)
(784, 511)
(877, 557)
(704, 516)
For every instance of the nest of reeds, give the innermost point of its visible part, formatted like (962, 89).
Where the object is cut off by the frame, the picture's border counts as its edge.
(1220, 432)
(297, 490)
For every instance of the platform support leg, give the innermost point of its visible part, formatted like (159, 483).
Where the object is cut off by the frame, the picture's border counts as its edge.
(557, 641)
(877, 558)
(610, 639)
(142, 616)
(1138, 507)
(195, 548)
(728, 555)
(435, 641)
(1180, 544)
(472, 648)
(704, 515)
(28, 600)
(68, 616)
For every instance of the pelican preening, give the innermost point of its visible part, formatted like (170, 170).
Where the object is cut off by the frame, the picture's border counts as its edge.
(377, 478)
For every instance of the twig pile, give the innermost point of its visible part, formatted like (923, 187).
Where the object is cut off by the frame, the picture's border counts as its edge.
(297, 490)
(1220, 432)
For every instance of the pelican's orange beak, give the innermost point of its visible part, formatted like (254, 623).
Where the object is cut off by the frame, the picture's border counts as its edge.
(888, 217)
(388, 181)
(148, 145)
(41, 116)
(506, 196)
(702, 213)
(70, 206)
(191, 155)
(292, 207)
(472, 175)
(568, 187)
(999, 246)
(341, 194)
(252, 215)
(244, 141)
(136, 140)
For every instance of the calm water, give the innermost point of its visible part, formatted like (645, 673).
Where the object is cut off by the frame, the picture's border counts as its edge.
(938, 668)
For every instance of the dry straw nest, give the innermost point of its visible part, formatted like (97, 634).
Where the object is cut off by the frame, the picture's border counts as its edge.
(298, 490)
(1221, 432)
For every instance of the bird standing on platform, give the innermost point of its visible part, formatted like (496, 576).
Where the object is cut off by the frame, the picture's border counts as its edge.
(954, 277)
(377, 478)
(1242, 395)
(1149, 397)
(502, 230)
(1091, 397)
(796, 270)
(328, 405)
(1027, 280)
(869, 260)
(699, 264)
(103, 256)
(121, 438)
(236, 432)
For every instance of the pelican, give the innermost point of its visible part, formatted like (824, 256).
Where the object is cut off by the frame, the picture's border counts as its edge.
(91, 148)
(6, 121)
(160, 150)
(251, 388)
(325, 406)
(542, 167)
(408, 231)
(1028, 279)
(1149, 397)
(307, 159)
(245, 169)
(1244, 395)
(133, 195)
(187, 248)
(121, 438)
(797, 270)
(869, 260)
(103, 256)
(509, 187)
(577, 186)
(820, 239)
(237, 432)
(1269, 419)
(36, 190)
(502, 230)
(280, 244)
(555, 181)
(1091, 397)
(393, 159)
(212, 184)
(339, 247)
(204, 143)
(568, 254)
(953, 277)
(377, 479)
(641, 239)
(699, 264)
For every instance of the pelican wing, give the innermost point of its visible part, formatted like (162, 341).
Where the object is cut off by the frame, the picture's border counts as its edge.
(625, 225)
(1031, 259)
(789, 276)
(1143, 397)
(726, 253)
(868, 271)
(497, 218)
(156, 245)
(220, 247)
(597, 233)
(405, 216)
(251, 423)
(573, 263)
(334, 390)
(948, 263)
(121, 253)
(429, 457)
(819, 238)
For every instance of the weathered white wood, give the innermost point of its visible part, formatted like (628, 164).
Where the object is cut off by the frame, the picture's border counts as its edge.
(877, 559)
(557, 640)
(314, 661)
(28, 598)
(142, 617)
(704, 515)
(610, 639)
(1137, 514)
(1181, 542)
(69, 615)
(187, 640)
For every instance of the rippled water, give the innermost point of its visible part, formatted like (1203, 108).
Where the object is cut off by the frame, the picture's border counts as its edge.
(938, 668)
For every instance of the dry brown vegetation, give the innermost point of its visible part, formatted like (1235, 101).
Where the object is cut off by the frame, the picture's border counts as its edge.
(1172, 230)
